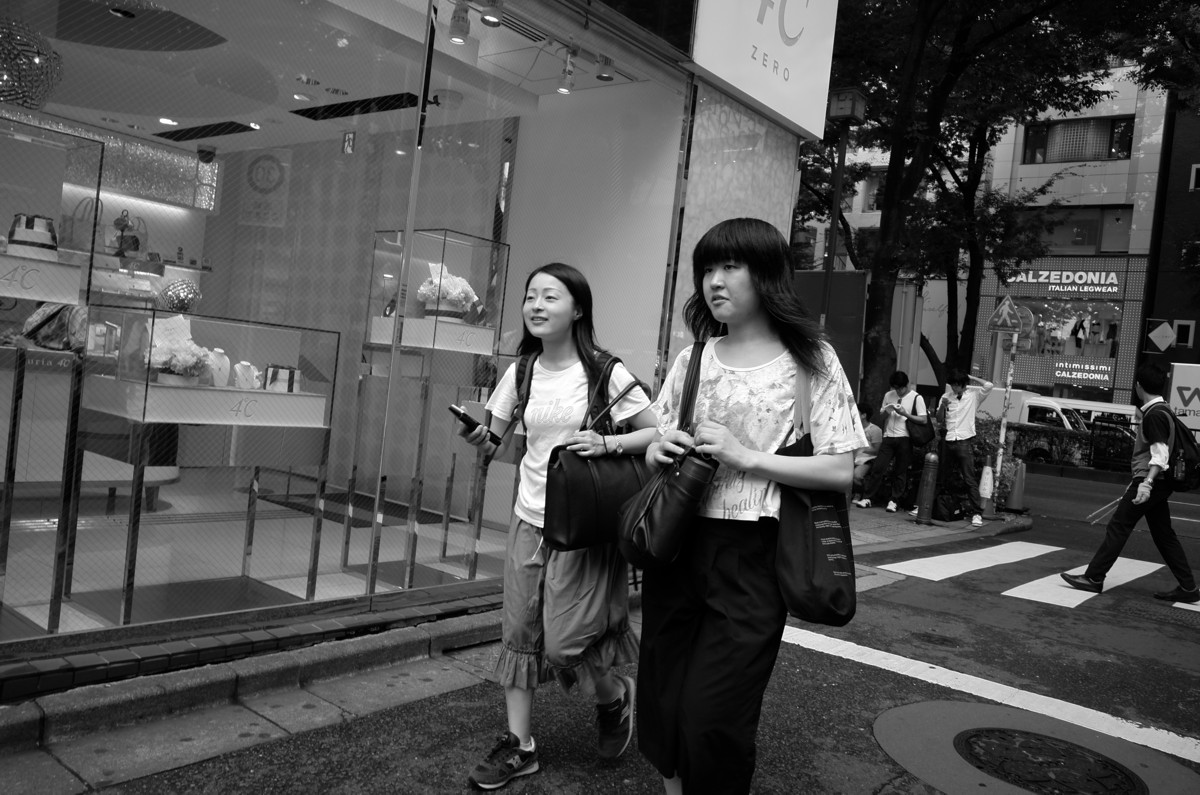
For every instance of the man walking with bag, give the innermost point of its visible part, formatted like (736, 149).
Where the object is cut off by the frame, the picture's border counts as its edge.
(1147, 495)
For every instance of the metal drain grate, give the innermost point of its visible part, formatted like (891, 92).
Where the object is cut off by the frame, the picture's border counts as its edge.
(1045, 765)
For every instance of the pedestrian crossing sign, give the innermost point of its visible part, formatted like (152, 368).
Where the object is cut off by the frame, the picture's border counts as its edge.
(1006, 318)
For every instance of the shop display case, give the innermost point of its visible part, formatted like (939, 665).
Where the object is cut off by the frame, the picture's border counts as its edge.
(206, 396)
(431, 339)
(44, 247)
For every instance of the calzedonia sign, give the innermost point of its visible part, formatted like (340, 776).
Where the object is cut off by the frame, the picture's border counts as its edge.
(1105, 282)
(774, 53)
(1083, 373)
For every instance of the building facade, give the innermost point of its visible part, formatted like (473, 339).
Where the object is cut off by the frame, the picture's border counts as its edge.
(297, 233)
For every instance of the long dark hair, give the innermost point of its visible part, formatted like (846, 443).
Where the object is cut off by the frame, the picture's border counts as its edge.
(761, 248)
(583, 330)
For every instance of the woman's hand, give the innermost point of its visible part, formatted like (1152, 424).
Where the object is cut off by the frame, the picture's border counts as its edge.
(477, 436)
(717, 441)
(673, 444)
(587, 444)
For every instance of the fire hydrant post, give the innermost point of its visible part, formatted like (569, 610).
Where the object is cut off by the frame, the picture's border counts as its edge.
(928, 489)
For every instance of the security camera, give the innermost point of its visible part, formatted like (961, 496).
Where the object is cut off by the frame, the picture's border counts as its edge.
(207, 154)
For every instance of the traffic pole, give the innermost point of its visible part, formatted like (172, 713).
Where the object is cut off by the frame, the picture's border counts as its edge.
(927, 490)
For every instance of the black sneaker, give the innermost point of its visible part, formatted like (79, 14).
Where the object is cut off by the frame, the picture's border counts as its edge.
(615, 722)
(504, 763)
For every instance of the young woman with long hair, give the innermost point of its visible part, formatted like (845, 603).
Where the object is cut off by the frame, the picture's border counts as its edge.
(566, 614)
(712, 620)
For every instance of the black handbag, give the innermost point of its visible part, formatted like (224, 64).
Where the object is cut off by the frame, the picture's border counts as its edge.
(921, 433)
(654, 522)
(814, 558)
(583, 494)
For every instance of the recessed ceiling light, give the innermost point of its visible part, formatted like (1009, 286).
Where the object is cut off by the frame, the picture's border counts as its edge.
(301, 97)
(401, 152)
(123, 13)
(343, 41)
(168, 122)
(306, 80)
(337, 92)
(255, 125)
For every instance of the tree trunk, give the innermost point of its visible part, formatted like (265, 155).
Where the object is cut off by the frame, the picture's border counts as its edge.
(879, 354)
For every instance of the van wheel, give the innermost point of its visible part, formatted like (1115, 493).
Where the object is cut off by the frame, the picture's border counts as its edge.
(1038, 457)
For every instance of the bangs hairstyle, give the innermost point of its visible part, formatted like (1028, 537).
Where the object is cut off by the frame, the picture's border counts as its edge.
(583, 330)
(763, 250)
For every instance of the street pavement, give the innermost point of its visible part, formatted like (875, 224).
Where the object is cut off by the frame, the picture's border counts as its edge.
(379, 715)
(969, 668)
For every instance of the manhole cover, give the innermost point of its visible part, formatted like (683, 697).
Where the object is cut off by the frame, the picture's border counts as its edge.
(1046, 765)
(965, 747)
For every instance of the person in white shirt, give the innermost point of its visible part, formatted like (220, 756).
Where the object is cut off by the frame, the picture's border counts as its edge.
(960, 406)
(900, 404)
(864, 457)
(566, 613)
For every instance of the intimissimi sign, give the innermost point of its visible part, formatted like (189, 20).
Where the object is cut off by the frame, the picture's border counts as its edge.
(1072, 281)
(773, 53)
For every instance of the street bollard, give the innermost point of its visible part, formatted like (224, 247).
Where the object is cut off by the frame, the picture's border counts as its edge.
(1016, 496)
(986, 489)
(928, 489)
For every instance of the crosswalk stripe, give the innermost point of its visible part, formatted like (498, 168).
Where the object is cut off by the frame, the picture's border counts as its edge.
(1158, 739)
(1053, 591)
(941, 567)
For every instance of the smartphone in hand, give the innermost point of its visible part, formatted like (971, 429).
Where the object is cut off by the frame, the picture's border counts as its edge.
(472, 423)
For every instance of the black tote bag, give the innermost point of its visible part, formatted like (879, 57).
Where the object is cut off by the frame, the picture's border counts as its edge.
(583, 494)
(814, 560)
(654, 522)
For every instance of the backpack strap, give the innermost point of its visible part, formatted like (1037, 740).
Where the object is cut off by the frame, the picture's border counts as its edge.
(524, 377)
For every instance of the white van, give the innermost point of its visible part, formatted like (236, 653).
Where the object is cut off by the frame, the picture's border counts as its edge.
(1091, 409)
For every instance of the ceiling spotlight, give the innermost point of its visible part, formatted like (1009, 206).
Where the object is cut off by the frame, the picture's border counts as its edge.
(491, 13)
(168, 122)
(301, 97)
(255, 125)
(566, 81)
(604, 68)
(460, 23)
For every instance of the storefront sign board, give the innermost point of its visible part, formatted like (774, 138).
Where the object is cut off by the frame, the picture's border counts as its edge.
(773, 53)
(1162, 335)
(1184, 393)
(1084, 372)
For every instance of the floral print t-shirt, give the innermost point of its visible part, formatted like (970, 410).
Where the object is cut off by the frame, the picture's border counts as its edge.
(757, 405)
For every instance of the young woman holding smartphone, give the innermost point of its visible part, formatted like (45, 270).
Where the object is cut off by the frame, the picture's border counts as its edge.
(566, 614)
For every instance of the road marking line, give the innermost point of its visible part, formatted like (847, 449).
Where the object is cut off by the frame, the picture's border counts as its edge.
(1156, 739)
(1053, 591)
(941, 567)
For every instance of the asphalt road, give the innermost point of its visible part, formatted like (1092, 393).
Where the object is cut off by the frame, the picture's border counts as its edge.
(1121, 662)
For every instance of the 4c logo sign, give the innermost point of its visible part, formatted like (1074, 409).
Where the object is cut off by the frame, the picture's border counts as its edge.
(766, 5)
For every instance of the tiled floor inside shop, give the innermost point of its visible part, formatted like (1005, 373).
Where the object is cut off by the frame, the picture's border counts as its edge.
(193, 557)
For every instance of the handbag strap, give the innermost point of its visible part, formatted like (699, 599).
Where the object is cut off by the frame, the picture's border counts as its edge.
(802, 411)
(691, 382)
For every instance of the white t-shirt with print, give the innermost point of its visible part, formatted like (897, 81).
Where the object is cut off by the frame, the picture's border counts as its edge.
(557, 402)
(896, 425)
(757, 405)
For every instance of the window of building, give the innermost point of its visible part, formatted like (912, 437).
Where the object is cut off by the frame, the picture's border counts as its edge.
(873, 192)
(1090, 230)
(1194, 182)
(1079, 140)
(1185, 333)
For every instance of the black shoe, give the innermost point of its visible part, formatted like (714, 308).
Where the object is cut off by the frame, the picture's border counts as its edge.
(1083, 583)
(615, 722)
(504, 763)
(1180, 595)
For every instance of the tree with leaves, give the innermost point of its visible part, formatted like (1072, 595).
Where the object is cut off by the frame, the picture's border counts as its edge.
(944, 79)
